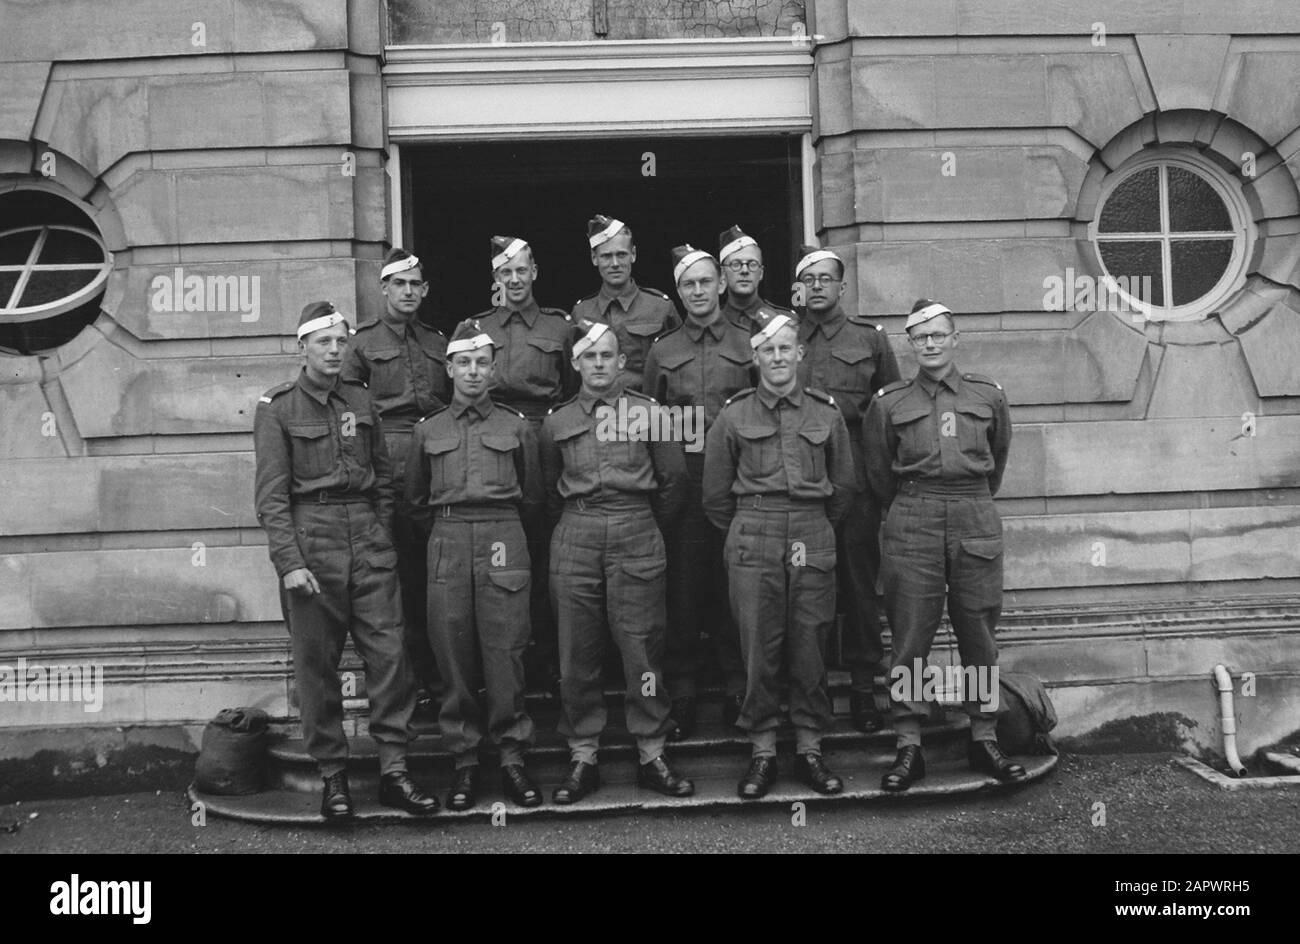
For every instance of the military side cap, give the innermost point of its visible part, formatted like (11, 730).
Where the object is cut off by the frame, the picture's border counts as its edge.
(602, 228)
(505, 248)
(317, 315)
(399, 260)
(589, 333)
(766, 324)
(810, 254)
(686, 256)
(468, 336)
(923, 311)
(733, 240)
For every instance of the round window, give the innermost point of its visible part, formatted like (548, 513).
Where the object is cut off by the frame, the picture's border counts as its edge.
(1173, 232)
(53, 266)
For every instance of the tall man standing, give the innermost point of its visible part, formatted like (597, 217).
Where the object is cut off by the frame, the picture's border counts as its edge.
(742, 267)
(778, 477)
(696, 368)
(936, 449)
(637, 315)
(324, 494)
(473, 471)
(850, 358)
(612, 492)
(533, 373)
(404, 363)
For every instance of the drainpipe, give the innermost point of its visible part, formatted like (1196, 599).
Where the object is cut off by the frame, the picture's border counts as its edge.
(1228, 720)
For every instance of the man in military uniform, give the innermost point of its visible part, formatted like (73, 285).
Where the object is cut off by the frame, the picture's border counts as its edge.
(696, 368)
(637, 315)
(613, 482)
(324, 494)
(778, 477)
(936, 448)
(742, 267)
(533, 373)
(850, 358)
(473, 471)
(404, 363)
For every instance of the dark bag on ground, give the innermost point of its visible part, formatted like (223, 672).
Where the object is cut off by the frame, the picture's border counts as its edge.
(1027, 717)
(232, 757)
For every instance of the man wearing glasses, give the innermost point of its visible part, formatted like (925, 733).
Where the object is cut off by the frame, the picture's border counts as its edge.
(850, 358)
(936, 449)
(404, 363)
(742, 268)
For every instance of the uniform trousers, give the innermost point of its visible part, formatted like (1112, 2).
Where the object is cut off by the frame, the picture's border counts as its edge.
(859, 564)
(541, 616)
(409, 538)
(942, 540)
(478, 627)
(697, 597)
(607, 582)
(349, 553)
(781, 573)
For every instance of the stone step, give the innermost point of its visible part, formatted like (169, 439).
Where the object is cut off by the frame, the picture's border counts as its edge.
(715, 787)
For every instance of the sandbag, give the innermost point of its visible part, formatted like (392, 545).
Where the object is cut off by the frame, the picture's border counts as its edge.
(1027, 716)
(232, 756)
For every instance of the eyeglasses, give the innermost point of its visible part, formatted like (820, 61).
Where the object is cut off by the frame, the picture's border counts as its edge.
(811, 280)
(735, 265)
(938, 337)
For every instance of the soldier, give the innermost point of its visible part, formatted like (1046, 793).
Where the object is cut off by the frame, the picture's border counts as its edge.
(618, 481)
(850, 358)
(742, 267)
(404, 363)
(637, 315)
(533, 373)
(936, 448)
(778, 477)
(696, 368)
(324, 493)
(473, 470)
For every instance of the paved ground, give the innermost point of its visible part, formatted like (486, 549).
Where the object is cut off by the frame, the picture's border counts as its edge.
(1150, 806)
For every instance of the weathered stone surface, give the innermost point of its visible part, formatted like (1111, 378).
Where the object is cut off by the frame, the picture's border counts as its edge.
(138, 28)
(23, 84)
(1272, 194)
(1251, 304)
(30, 428)
(1103, 357)
(1245, 543)
(1281, 260)
(1093, 94)
(1203, 380)
(1025, 467)
(1184, 70)
(952, 92)
(112, 393)
(1029, 364)
(834, 189)
(1121, 147)
(1054, 17)
(1270, 348)
(97, 121)
(282, 288)
(1172, 455)
(1265, 96)
(1098, 549)
(103, 494)
(833, 84)
(138, 587)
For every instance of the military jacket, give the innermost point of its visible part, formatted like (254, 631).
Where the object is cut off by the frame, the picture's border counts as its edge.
(743, 317)
(534, 350)
(638, 316)
(308, 439)
(405, 367)
(794, 445)
(952, 430)
(700, 366)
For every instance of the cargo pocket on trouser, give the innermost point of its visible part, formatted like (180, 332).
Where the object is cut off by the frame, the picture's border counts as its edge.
(976, 581)
(503, 609)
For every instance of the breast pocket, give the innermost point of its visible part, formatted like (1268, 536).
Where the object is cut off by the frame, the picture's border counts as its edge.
(499, 459)
(640, 337)
(578, 449)
(760, 451)
(446, 464)
(973, 421)
(387, 377)
(812, 452)
(313, 449)
(915, 435)
(851, 372)
(541, 364)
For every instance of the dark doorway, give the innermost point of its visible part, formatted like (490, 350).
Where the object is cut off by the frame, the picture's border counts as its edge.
(460, 195)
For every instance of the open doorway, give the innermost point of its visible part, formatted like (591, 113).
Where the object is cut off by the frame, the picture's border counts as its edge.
(670, 191)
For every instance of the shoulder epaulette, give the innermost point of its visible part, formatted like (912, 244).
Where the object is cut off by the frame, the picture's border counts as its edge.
(276, 391)
(891, 387)
(484, 314)
(556, 311)
(637, 393)
(819, 395)
(585, 298)
(739, 395)
(671, 331)
(509, 409)
(432, 413)
(559, 405)
(654, 291)
(366, 324)
(356, 382)
(865, 322)
(980, 378)
(781, 309)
